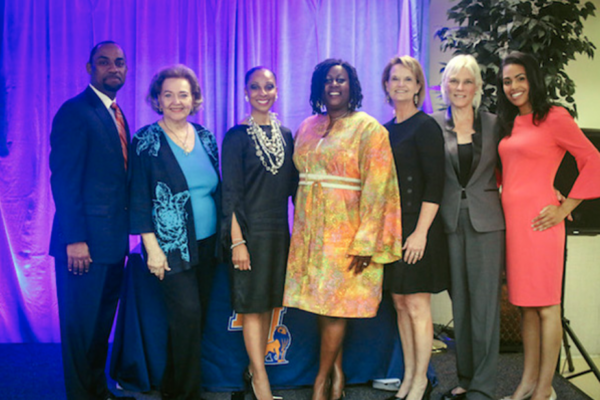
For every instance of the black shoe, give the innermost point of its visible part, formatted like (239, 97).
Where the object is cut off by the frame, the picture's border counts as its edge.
(451, 396)
(428, 390)
(250, 385)
(238, 395)
(111, 396)
(394, 397)
(343, 396)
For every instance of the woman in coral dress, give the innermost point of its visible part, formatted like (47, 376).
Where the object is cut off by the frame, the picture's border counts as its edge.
(536, 136)
(347, 216)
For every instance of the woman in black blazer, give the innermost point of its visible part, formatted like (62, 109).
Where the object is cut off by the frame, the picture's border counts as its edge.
(474, 224)
(418, 148)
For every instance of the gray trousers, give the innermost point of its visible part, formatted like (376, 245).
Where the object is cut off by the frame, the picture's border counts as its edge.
(476, 261)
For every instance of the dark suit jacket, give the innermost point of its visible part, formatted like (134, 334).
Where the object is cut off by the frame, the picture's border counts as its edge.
(485, 209)
(89, 180)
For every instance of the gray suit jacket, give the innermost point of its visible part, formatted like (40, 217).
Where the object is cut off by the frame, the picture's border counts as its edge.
(482, 196)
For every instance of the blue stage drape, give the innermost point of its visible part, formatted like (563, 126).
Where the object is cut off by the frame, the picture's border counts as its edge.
(45, 45)
(372, 349)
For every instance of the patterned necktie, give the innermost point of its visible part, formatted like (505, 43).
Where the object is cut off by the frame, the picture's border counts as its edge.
(121, 129)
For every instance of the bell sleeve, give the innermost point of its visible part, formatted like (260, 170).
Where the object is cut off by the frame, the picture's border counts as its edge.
(380, 231)
(568, 136)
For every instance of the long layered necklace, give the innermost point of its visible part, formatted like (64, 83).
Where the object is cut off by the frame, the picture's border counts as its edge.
(268, 149)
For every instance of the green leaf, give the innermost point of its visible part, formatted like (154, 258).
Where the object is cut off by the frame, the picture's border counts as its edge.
(551, 29)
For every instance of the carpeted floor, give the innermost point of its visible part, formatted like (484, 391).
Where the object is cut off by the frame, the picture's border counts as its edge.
(34, 371)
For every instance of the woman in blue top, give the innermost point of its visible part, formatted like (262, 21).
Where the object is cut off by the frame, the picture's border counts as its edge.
(174, 207)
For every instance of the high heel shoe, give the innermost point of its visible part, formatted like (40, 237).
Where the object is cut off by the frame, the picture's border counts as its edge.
(526, 397)
(343, 395)
(248, 379)
(426, 393)
(428, 390)
(394, 397)
(553, 396)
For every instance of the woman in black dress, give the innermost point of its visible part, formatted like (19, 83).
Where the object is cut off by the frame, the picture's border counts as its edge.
(258, 179)
(418, 148)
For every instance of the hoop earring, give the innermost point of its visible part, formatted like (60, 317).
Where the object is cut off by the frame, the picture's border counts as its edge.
(319, 105)
(416, 98)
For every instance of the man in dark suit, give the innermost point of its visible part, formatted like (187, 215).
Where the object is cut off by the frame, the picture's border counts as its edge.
(90, 237)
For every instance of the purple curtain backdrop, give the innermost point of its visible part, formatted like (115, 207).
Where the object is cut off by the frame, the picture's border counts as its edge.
(45, 45)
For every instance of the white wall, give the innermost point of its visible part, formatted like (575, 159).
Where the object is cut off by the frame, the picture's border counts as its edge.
(582, 292)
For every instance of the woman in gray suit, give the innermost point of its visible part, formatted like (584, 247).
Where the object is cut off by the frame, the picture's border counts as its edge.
(474, 224)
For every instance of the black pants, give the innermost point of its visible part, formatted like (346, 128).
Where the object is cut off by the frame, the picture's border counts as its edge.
(186, 297)
(87, 304)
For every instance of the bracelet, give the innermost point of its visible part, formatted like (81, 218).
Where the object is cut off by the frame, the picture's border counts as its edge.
(237, 244)
(236, 239)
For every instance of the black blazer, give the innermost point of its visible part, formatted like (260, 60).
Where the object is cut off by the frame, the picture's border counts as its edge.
(89, 180)
(481, 191)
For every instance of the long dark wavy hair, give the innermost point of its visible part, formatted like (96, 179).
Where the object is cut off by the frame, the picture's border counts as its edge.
(538, 94)
(317, 85)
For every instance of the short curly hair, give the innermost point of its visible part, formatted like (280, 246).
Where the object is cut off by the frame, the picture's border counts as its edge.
(414, 66)
(317, 84)
(174, 71)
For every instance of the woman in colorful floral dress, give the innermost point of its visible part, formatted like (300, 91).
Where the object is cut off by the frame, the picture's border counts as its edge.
(347, 216)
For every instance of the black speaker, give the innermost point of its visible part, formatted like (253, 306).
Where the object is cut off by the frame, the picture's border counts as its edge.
(586, 217)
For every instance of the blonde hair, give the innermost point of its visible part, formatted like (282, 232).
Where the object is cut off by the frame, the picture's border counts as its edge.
(453, 67)
(415, 67)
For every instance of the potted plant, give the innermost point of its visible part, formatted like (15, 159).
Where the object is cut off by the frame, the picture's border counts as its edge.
(552, 30)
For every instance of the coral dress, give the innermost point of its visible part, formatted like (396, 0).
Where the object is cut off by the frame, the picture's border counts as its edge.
(347, 204)
(530, 157)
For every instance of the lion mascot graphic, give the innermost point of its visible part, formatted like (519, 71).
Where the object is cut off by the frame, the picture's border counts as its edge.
(276, 349)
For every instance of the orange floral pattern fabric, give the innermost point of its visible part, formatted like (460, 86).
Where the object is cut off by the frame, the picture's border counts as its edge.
(347, 204)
